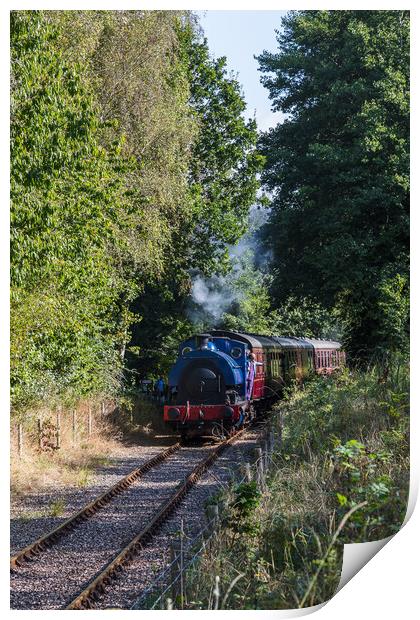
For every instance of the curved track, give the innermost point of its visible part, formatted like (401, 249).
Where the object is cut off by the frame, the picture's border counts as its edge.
(93, 546)
(86, 598)
(31, 551)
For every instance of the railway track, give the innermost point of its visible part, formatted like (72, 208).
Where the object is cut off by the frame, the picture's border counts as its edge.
(39, 546)
(69, 539)
(89, 595)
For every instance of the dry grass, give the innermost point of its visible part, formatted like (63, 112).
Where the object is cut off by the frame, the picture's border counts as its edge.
(74, 463)
(70, 465)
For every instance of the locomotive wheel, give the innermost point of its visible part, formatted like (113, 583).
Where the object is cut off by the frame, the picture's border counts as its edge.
(184, 437)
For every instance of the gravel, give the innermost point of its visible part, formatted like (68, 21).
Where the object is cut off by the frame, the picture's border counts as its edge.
(139, 575)
(31, 515)
(52, 580)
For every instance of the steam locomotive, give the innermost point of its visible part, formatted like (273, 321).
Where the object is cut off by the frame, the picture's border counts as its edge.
(223, 379)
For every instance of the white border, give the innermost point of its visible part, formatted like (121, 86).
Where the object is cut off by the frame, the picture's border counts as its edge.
(387, 586)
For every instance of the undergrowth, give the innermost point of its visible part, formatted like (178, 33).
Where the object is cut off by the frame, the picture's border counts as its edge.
(75, 462)
(341, 475)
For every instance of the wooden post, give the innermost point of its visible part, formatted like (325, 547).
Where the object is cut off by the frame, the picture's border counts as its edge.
(40, 434)
(280, 427)
(181, 562)
(216, 592)
(266, 454)
(89, 421)
(20, 440)
(174, 571)
(213, 515)
(260, 467)
(271, 441)
(248, 473)
(58, 430)
(74, 426)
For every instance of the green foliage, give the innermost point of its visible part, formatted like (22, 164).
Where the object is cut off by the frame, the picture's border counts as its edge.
(246, 498)
(344, 443)
(131, 165)
(338, 169)
(225, 163)
(65, 202)
(362, 421)
(222, 185)
(252, 312)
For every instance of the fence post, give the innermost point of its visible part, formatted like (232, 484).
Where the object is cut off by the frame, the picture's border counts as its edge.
(58, 430)
(40, 443)
(260, 466)
(271, 441)
(181, 562)
(74, 426)
(280, 427)
(266, 448)
(216, 592)
(213, 515)
(248, 474)
(174, 573)
(20, 440)
(89, 421)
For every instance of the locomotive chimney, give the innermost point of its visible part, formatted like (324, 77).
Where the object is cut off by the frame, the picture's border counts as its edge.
(202, 341)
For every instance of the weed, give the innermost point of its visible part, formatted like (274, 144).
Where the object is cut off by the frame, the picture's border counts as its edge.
(57, 508)
(83, 477)
(341, 476)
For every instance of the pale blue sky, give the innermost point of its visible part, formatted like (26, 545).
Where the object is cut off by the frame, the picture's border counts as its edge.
(239, 35)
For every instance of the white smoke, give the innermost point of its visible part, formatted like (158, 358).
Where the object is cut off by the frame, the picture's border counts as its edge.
(211, 297)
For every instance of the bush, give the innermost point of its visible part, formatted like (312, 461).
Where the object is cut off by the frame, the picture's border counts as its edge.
(341, 476)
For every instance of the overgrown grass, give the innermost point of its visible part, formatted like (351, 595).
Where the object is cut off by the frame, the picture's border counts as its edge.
(341, 475)
(72, 464)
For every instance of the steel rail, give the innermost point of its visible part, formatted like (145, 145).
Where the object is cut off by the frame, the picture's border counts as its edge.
(88, 596)
(40, 545)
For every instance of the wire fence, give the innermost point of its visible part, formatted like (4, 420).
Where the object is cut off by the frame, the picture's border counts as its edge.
(52, 430)
(168, 588)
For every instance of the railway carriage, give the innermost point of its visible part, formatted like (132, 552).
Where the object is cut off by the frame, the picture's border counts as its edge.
(209, 383)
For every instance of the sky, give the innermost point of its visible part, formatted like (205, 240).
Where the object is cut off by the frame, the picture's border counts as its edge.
(239, 35)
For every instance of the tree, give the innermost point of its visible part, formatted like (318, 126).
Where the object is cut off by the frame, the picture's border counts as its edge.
(337, 167)
(224, 165)
(101, 143)
(222, 182)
